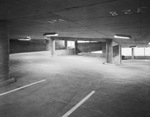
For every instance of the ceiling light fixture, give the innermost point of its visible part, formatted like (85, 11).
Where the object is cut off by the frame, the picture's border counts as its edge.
(120, 36)
(51, 34)
(149, 43)
(28, 38)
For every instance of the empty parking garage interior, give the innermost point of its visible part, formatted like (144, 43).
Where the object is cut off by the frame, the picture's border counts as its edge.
(74, 58)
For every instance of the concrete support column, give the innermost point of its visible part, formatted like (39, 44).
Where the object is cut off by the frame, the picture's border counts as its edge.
(66, 44)
(132, 50)
(76, 47)
(109, 51)
(113, 52)
(4, 54)
(117, 56)
(52, 46)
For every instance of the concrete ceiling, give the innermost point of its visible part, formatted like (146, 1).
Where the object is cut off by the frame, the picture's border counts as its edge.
(95, 19)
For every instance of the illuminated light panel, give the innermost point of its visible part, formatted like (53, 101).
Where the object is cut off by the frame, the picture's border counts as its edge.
(24, 39)
(122, 36)
(28, 38)
(149, 43)
(50, 34)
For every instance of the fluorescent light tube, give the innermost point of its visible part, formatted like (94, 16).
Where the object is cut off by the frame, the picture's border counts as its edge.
(28, 38)
(122, 36)
(50, 34)
(24, 39)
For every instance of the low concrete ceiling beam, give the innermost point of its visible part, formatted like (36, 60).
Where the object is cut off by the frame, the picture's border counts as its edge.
(79, 39)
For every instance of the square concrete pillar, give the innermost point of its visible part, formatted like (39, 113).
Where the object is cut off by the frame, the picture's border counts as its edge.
(4, 51)
(66, 44)
(76, 47)
(52, 44)
(132, 50)
(113, 52)
(4, 54)
(109, 51)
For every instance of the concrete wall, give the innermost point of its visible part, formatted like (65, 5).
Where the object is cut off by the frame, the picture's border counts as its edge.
(104, 49)
(138, 57)
(17, 46)
(65, 52)
(88, 47)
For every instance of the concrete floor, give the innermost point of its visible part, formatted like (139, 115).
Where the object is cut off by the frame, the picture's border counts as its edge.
(120, 90)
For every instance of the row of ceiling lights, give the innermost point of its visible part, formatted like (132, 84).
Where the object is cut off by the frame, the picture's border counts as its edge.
(28, 38)
(129, 11)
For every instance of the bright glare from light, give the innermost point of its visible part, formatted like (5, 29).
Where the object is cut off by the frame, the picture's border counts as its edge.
(51, 35)
(126, 51)
(71, 44)
(24, 39)
(28, 38)
(83, 41)
(121, 37)
(97, 52)
(87, 41)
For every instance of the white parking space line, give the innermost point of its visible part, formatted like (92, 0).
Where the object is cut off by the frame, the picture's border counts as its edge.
(2, 94)
(78, 104)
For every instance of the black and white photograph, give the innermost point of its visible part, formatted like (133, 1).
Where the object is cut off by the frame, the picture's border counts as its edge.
(74, 58)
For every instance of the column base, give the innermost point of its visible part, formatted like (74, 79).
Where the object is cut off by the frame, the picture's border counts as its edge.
(7, 82)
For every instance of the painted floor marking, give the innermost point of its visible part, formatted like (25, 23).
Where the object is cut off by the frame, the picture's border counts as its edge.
(22, 87)
(78, 104)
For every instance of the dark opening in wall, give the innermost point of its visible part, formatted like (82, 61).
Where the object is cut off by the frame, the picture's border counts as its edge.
(89, 47)
(17, 46)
